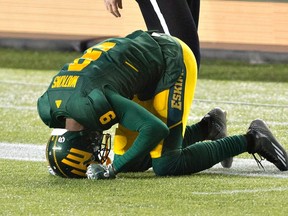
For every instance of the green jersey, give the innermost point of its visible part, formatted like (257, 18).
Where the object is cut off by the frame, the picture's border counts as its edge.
(141, 64)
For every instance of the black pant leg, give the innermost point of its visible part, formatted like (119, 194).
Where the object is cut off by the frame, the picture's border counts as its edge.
(174, 17)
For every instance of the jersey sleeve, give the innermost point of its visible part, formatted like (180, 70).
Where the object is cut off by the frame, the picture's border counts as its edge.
(93, 111)
(44, 109)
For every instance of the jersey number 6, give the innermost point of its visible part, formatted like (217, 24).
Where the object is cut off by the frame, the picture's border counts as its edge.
(107, 117)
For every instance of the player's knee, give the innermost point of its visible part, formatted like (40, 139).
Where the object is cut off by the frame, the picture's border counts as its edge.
(158, 169)
(168, 164)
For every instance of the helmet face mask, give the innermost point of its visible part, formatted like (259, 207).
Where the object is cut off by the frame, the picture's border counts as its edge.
(101, 144)
(70, 152)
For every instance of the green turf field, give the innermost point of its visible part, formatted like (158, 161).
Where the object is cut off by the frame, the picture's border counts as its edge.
(245, 91)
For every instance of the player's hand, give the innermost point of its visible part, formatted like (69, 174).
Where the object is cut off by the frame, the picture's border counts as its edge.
(113, 6)
(99, 171)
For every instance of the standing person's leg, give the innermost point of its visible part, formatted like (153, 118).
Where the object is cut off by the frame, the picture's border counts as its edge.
(194, 6)
(174, 18)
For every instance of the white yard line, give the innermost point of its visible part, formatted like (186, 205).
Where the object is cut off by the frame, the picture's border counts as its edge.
(241, 103)
(262, 190)
(25, 152)
(22, 83)
(33, 108)
(241, 167)
(248, 168)
(195, 100)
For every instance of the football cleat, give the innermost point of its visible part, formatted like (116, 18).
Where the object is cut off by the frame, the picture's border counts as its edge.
(217, 129)
(265, 144)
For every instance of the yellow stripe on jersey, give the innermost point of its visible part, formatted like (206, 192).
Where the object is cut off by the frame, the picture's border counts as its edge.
(130, 65)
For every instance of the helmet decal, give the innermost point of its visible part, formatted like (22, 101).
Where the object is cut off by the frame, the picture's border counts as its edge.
(61, 139)
(58, 103)
(80, 158)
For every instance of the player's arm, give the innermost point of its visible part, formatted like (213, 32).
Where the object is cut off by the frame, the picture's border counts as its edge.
(136, 118)
(113, 6)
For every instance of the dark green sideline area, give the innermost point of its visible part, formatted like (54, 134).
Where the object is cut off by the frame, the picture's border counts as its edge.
(210, 69)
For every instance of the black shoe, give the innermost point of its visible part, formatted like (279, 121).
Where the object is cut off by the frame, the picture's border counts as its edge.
(262, 142)
(217, 129)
